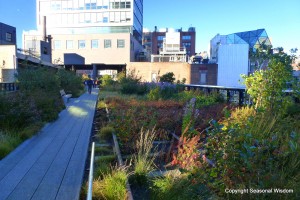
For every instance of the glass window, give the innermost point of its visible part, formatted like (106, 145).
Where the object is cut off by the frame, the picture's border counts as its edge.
(120, 43)
(112, 17)
(8, 37)
(99, 17)
(186, 37)
(160, 38)
(81, 44)
(81, 17)
(95, 44)
(64, 18)
(128, 4)
(57, 44)
(55, 5)
(107, 43)
(186, 44)
(117, 17)
(70, 18)
(87, 17)
(69, 44)
(105, 4)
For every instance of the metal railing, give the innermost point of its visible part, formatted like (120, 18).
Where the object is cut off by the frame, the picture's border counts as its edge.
(8, 86)
(231, 94)
(90, 188)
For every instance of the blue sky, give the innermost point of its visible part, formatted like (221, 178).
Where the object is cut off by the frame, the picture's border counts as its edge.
(281, 19)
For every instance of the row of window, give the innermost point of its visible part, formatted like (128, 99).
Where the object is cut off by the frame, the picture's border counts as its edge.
(81, 5)
(184, 44)
(75, 18)
(82, 44)
(184, 37)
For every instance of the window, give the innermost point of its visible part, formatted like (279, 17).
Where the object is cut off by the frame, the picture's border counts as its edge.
(8, 37)
(160, 38)
(81, 44)
(57, 44)
(186, 37)
(94, 44)
(120, 43)
(69, 44)
(186, 44)
(202, 77)
(107, 43)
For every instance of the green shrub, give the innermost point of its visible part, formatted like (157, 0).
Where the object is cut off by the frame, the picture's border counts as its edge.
(180, 187)
(8, 142)
(106, 80)
(260, 151)
(142, 160)
(168, 77)
(106, 132)
(154, 94)
(112, 186)
(17, 111)
(103, 150)
(70, 82)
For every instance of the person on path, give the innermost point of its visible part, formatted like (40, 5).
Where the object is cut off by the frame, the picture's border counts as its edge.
(90, 85)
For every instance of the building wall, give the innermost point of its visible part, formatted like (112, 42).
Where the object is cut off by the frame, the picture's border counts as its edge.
(7, 63)
(156, 44)
(232, 62)
(149, 70)
(112, 55)
(209, 71)
(7, 34)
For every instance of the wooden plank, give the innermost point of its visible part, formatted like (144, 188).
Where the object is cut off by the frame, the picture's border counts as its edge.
(20, 169)
(71, 184)
(54, 157)
(9, 162)
(35, 175)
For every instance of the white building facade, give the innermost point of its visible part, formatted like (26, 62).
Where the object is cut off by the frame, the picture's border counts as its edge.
(101, 31)
(233, 60)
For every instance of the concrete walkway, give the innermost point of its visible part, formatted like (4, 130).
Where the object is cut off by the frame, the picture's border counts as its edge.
(51, 164)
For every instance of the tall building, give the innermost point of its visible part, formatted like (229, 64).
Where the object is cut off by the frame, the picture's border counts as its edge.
(253, 38)
(231, 53)
(100, 31)
(158, 40)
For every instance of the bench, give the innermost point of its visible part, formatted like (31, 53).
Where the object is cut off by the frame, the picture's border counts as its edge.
(65, 96)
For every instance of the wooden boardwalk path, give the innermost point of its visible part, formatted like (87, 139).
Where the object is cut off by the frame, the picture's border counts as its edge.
(51, 164)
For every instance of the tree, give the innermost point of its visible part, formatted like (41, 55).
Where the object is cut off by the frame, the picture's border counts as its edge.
(267, 87)
(168, 77)
(260, 57)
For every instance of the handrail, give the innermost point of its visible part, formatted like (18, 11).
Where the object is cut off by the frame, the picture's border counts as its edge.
(90, 188)
(230, 91)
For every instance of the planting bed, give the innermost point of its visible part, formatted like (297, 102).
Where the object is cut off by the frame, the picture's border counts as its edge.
(131, 118)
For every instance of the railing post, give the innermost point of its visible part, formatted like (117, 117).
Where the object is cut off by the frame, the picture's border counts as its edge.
(228, 95)
(241, 97)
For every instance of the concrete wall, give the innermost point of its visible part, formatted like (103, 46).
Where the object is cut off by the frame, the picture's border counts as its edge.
(150, 70)
(191, 72)
(111, 55)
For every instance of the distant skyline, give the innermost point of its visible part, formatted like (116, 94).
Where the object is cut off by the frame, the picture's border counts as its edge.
(281, 19)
